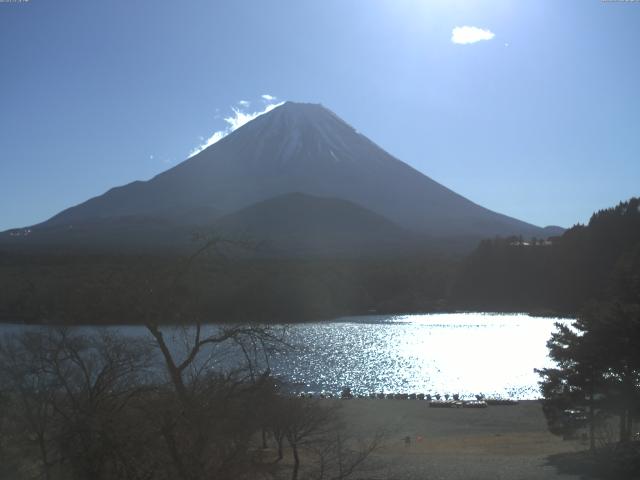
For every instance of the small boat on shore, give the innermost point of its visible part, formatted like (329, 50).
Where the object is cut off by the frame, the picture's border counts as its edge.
(501, 401)
(475, 404)
(445, 404)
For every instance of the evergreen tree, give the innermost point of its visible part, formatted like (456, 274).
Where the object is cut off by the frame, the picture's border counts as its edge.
(598, 368)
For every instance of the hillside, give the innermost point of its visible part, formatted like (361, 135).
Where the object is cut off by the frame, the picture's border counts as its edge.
(588, 262)
(298, 224)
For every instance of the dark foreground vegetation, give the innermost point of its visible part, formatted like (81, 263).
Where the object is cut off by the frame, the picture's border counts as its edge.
(594, 391)
(103, 407)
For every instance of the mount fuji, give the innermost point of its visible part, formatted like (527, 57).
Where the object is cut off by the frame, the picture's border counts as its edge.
(297, 154)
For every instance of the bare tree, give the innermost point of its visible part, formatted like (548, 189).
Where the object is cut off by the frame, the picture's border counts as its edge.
(32, 392)
(315, 428)
(199, 441)
(307, 420)
(217, 401)
(71, 391)
(340, 456)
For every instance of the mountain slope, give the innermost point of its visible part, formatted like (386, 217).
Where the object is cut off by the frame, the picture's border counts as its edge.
(300, 224)
(295, 148)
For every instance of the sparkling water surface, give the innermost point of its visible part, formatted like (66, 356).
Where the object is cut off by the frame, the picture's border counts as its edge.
(463, 353)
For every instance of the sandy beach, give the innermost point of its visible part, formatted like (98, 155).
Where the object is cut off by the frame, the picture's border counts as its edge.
(498, 442)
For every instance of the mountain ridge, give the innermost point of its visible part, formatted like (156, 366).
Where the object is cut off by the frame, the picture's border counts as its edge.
(296, 147)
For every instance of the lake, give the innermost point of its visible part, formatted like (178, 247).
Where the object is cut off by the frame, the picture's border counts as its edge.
(464, 353)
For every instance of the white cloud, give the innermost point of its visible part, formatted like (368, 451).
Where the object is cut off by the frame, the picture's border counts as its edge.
(208, 142)
(235, 121)
(268, 98)
(465, 35)
(244, 103)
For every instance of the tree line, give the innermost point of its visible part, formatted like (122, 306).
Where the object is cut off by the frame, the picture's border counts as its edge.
(109, 289)
(586, 263)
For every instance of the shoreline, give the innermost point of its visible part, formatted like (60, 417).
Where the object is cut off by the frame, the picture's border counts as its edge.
(346, 318)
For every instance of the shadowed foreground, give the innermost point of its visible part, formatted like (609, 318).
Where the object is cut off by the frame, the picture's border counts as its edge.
(499, 442)
(74, 407)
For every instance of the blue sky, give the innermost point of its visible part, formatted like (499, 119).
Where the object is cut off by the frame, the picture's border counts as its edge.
(540, 120)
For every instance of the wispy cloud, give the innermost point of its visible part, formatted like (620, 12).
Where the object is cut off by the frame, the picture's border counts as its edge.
(268, 98)
(466, 35)
(244, 103)
(234, 122)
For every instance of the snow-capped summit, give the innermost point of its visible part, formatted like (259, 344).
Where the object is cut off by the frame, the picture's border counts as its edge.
(296, 147)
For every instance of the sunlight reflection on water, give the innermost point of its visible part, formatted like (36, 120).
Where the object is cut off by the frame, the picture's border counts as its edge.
(464, 353)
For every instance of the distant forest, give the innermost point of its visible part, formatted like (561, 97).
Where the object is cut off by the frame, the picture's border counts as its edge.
(588, 262)
(217, 284)
(100, 289)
